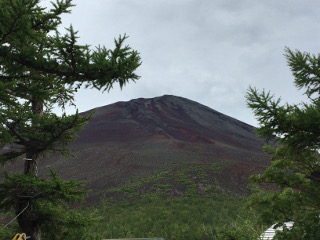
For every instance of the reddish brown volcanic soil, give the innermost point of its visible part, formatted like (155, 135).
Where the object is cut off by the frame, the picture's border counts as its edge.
(129, 140)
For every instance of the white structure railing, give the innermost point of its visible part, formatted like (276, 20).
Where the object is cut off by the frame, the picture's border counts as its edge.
(270, 232)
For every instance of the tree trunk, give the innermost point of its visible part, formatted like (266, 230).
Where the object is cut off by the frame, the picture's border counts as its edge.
(30, 164)
(28, 221)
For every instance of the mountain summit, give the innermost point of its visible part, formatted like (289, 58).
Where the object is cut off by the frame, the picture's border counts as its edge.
(135, 139)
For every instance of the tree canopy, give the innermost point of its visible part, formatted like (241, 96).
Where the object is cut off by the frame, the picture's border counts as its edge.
(42, 69)
(294, 130)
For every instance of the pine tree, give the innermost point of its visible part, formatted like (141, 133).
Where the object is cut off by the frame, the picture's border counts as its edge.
(295, 166)
(41, 69)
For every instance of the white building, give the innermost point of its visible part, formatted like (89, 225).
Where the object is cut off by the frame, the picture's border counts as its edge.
(270, 232)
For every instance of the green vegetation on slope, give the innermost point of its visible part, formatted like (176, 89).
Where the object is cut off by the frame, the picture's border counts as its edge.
(156, 214)
(188, 201)
(187, 179)
(192, 217)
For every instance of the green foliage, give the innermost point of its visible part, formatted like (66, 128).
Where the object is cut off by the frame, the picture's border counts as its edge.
(9, 231)
(49, 133)
(42, 69)
(35, 190)
(47, 199)
(183, 179)
(210, 216)
(73, 225)
(295, 167)
(198, 217)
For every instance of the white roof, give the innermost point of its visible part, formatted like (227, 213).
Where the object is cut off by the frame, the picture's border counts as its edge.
(270, 232)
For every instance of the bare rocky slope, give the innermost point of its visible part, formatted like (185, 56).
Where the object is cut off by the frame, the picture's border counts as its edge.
(136, 139)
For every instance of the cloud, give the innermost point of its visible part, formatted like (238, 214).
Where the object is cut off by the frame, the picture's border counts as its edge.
(209, 51)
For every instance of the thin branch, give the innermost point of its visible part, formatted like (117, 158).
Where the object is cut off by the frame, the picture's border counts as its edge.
(16, 216)
(19, 136)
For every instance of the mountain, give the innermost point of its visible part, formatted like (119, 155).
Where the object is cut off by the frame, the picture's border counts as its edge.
(126, 141)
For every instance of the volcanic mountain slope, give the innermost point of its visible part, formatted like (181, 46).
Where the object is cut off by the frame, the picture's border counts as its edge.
(136, 139)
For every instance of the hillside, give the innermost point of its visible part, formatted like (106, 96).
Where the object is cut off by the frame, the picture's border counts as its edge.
(137, 139)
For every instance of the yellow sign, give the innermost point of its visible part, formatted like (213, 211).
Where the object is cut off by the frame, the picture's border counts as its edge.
(20, 236)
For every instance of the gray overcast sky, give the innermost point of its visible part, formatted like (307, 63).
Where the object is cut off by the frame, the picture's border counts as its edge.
(209, 51)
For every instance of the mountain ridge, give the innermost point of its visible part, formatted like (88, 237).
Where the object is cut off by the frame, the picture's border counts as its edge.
(131, 140)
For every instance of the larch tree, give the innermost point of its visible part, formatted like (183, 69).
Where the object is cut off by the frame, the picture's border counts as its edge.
(295, 165)
(41, 69)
